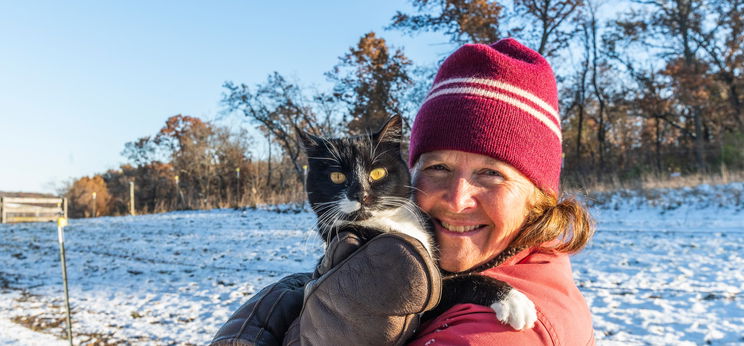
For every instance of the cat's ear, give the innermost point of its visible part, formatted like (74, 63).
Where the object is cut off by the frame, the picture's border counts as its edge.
(309, 142)
(391, 131)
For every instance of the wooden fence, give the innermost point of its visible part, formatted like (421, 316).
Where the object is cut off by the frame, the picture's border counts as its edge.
(24, 209)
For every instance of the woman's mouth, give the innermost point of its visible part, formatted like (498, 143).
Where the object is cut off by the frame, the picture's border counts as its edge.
(459, 228)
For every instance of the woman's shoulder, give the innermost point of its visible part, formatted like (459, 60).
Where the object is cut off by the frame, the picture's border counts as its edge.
(547, 279)
(470, 324)
(563, 317)
(535, 269)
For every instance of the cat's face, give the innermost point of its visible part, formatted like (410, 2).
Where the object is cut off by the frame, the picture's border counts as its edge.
(353, 178)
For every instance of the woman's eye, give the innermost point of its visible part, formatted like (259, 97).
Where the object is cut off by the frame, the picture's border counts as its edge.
(491, 172)
(436, 170)
(377, 174)
(491, 176)
(437, 167)
(338, 177)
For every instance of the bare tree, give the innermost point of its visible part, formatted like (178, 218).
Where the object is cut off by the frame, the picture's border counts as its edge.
(278, 107)
(722, 46)
(665, 29)
(371, 80)
(591, 29)
(669, 28)
(464, 21)
(549, 28)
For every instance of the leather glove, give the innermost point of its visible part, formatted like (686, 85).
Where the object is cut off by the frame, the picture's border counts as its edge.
(264, 319)
(370, 295)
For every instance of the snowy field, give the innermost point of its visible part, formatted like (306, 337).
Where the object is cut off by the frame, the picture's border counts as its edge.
(665, 268)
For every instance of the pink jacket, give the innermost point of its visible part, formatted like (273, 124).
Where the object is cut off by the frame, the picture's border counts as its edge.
(563, 317)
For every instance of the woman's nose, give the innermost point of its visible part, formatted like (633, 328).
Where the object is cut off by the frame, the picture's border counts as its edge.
(460, 195)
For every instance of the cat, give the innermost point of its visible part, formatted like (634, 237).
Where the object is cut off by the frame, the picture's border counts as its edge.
(362, 184)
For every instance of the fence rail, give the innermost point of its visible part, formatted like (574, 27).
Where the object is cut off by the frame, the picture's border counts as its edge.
(23, 209)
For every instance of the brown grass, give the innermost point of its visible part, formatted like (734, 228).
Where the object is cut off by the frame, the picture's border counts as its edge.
(590, 184)
(56, 326)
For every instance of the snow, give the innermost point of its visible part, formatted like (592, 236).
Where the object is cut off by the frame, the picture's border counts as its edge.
(14, 334)
(663, 268)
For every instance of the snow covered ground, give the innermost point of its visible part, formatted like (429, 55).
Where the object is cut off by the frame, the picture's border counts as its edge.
(665, 267)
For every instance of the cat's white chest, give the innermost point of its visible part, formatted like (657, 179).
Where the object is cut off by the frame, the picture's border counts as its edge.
(403, 221)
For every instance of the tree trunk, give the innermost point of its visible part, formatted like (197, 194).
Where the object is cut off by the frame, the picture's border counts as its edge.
(699, 138)
(658, 146)
(598, 94)
(736, 107)
(580, 130)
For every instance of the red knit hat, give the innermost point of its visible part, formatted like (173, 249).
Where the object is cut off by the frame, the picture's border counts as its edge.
(499, 100)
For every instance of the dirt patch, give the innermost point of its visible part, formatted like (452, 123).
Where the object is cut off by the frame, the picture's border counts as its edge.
(57, 327)
(54, 322)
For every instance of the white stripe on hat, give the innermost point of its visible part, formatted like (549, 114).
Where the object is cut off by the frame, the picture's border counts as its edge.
(539, 115)
(506, 87)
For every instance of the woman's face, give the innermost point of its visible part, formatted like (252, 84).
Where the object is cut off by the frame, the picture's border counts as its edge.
(478, 204)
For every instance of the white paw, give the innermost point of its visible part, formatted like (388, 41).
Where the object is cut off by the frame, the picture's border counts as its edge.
(516, 310)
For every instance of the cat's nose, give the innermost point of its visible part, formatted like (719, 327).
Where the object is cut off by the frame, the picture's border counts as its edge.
(364, 198)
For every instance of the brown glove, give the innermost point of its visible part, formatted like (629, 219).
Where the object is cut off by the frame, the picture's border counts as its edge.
(373, 296)
(264, 319)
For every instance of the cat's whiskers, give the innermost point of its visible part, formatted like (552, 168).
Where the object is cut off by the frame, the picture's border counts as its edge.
(372, 146)
(400, 202)
(313, 232)
(326, 224)
(324, 204)
(327, 213)
(417, 189)
(374, 158)
(336, 225)
(396, 199)
(333, 150)
(323, 209)
(332, 159)
(329, 216)
(374, 150)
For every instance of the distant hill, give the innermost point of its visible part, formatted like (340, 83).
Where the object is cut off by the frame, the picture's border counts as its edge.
(25, 194)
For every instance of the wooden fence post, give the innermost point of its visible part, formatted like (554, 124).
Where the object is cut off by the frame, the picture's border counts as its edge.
(131, 198)
(238, 194)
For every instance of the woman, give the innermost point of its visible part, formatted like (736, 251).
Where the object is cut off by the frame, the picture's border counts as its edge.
(486, 159)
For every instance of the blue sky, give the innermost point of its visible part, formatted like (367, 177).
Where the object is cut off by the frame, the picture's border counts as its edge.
(78, 79)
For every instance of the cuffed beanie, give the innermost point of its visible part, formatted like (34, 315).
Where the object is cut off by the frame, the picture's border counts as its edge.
(498, 100)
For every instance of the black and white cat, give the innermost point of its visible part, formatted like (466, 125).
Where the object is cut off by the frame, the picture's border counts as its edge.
(362, 184)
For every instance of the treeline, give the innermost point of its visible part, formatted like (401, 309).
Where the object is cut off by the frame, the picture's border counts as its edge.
(188, 164)
(650, 88)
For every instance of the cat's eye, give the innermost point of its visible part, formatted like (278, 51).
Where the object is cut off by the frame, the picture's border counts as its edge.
(377, 174)
(338, 177)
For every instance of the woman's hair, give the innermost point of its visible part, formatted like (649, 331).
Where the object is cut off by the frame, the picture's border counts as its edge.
(562, 226)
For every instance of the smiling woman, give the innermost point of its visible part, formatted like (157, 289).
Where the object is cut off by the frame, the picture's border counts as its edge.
(480, 206)
(485, 158)
(477, 203)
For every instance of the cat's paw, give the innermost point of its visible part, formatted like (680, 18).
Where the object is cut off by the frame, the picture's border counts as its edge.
(516, 310)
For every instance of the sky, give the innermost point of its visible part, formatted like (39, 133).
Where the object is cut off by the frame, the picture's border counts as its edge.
(79, 79)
